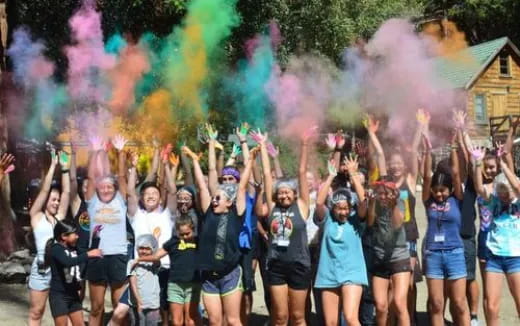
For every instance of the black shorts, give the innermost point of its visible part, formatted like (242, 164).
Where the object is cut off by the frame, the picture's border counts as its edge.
(470, 255)
(62, 304)
(164, 274)
(385, 269)
(295, 275)
(108, 269)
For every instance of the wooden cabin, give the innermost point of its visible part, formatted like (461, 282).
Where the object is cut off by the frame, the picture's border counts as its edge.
(489, 73)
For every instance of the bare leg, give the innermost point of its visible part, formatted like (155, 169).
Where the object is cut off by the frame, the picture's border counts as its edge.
(38, 300)
(436, 301)
(279, 305)
(351, 297)
(297, 300)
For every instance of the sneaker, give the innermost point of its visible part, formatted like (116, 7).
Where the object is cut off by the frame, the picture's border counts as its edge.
(474, 322)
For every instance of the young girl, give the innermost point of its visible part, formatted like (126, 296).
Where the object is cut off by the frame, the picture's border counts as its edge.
(183, 283)
(43, 219)
(338, 277)
(219, 252)
(503, 240)
(445, 265)
(61, 255)
(288, 257)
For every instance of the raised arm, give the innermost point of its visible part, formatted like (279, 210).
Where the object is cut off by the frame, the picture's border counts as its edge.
(455, 169)
(266, 166)
(321, 199)
(302, 169)
(511, 177)
(205, 197)
(372, 127)
(212, 160)
(65, 187)
(352, 168)
(171, 186)
(244, 181)
(132, 198)
(427, 170)
(5, 162)
(423, 120)
(119, 143)
(37, 207)
(508, 148)
(186, 168)
(477, 155)
(152, 174)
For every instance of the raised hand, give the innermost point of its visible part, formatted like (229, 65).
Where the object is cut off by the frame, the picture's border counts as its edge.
(309, 133)
(97, 143)
(331, 167)
(371, 124)
(500, 149)
(54, 157)
(119, 142)
(459, 118)
(477, 153)
(6, 163)
(188, 152)
(174, 159)
(330, 141)
(134, 159)
(211, 132)
(423, 117)
(64, 160)
(258, 137)
(360, 149)
(340, 139)
(254, 152)
(351, 163)
(242, 131)
(236, 151)
(165, 152)
(273, 151)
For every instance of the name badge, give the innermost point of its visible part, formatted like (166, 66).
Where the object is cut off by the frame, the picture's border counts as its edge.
(282, 243)
(439, 237)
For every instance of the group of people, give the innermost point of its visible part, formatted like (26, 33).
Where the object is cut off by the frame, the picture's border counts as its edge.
(168, 245)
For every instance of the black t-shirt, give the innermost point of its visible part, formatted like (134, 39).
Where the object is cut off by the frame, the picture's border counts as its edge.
(219, 249)
(467, 226)
(65, 272)
(82, 222)
(183, 257)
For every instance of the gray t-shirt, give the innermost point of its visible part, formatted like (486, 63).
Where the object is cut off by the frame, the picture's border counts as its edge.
(388, 243)
(147, 283)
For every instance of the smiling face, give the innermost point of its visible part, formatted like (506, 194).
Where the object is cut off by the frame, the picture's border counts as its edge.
(53, 202)
(396, 165)
(151, 198)
(341, 210)
(144, 251)
(440, 193)
(184, 201)
(285, 197)
(220, 202)
(490, 167)
(106, 191)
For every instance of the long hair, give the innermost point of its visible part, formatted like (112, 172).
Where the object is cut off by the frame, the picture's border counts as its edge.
(60, 228)
(441, 178)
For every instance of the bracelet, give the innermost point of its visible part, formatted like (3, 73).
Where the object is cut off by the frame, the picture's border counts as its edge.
(65, 171)
(243, 142)
(454, 146)
(478, 163)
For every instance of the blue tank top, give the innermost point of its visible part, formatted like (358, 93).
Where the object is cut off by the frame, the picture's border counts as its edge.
(444, 220)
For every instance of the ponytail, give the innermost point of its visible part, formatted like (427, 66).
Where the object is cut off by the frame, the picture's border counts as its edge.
(47, 254)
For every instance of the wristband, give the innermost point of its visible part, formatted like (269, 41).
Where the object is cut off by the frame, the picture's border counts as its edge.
(243, 142)
(478, 163)
(65, 171)
(454, 147)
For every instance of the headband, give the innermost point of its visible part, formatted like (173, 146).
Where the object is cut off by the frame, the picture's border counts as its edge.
(229, 170)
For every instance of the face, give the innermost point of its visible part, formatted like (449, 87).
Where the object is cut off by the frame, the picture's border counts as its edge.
(440, 193)
(106, 191)
(184, 202)
(311, 180)
(396, 165)
(229, 179)
(70, 239)
(144, 251)
(383, 196)
(185, 232)
(220, 202)
(84, 186)
(285, 197)
(341, 210)
(53, 202)
(151, 198)
(505, 194)
(490, 168)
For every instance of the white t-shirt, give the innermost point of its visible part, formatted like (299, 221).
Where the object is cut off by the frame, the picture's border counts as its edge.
(144, 222)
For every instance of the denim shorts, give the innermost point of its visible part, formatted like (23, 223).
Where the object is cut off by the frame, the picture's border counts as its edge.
(502, 264)
(39, 281)
(182, 293)
(445, 264)
(223, 285)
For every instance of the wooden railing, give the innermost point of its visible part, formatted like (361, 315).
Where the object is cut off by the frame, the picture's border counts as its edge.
(499, 125)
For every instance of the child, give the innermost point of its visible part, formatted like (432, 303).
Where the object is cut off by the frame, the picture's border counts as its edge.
(183, 283)
(61, 255)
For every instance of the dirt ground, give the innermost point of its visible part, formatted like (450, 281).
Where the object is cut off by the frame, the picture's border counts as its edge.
(14, 300)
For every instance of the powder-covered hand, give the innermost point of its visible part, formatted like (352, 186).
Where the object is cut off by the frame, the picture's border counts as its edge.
(119, 142)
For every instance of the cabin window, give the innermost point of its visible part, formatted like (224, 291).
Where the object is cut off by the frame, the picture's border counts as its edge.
(480, 109)
(504, 65)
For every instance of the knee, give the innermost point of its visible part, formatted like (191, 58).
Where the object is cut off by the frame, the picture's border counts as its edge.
(297, 317)
(492, 308)
(381, 306)
(233, 321)
(177, 321)
(352, 318)
(36, 313)
(401, 305)
(96, 308)
(281, 319)
(436, 305)
(460, 305)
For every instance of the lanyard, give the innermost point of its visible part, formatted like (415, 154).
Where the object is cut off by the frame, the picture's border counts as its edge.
(441, 216)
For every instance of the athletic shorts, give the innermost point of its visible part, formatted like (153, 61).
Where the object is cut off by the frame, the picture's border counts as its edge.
(182, 293)
(64, 303)
(297, 276)
(222, 285)
(470, 255)
(503, 264)
(386, 269)
(248, 276)
(447, 264)
(107, 269)
(39, 281)
(163, 275)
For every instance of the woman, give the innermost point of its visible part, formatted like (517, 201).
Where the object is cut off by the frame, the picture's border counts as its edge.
(503, 240)
(288, 258)
(445, 265)
(48, 207)
(106, 206)
(219, 252)
(341, 269)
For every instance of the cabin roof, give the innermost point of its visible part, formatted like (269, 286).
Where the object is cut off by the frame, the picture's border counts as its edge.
(461, 69)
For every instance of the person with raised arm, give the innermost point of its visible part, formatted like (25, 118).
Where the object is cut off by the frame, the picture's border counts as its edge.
(6, 161)
(107, 209)
(50, 206)
(341, 271)
(288, 258)
(219, 251)
(503, 240)
(445, 263)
